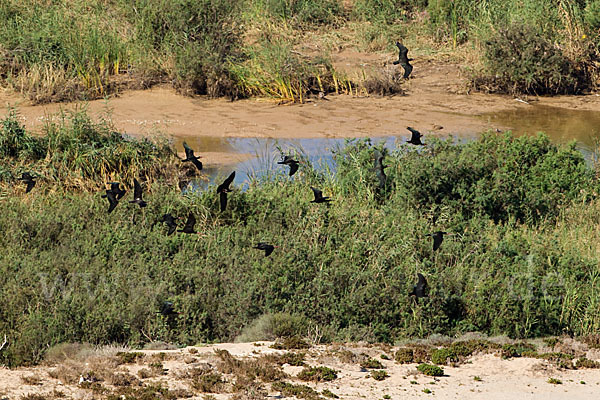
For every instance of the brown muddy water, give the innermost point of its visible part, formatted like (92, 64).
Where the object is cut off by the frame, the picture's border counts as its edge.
(561, 125)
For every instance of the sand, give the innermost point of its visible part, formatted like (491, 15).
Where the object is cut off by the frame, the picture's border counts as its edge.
(518, 378)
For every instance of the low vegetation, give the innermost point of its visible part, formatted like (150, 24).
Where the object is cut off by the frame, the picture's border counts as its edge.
(82, 50)
(521, 260)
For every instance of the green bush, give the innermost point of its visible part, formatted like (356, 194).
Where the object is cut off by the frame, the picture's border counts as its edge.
(404, 355)
(430, 370)
(521, 59)
(317, 374)
(442, 356)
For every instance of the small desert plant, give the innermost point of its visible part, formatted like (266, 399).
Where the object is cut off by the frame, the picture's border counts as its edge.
(586, 363)
(379, 375)
(430, 370)
(371, 363)
(317, 374)
(291, 343)
(404, 355)
(555, 381)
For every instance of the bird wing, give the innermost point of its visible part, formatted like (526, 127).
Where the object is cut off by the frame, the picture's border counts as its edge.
(229, 180)
(172, 228)
(438, 238)
(189, 153)
(223, 200)
(293, 168)
(197, 163)
(407, 69)
(415, 133)
(318, 194)
(268, 250)
(112, 200)
(137, 189)
(30, 185)
(191, 221)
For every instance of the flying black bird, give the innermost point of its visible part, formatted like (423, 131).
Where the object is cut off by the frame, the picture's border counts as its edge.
(416, 137)
(420, 288)
(137, 194)
(438, 238)
(379, 169)
(223, 189)
(29, 180)
(189, 225)
(167, 309)
(288, 160)
(114, 187)
(112, 200)
(403, 60)
(170, 221)
(268, 248)
(189, 156)
(319, 196)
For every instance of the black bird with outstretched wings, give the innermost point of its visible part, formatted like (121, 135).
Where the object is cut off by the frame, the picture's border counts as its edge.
(170, 221)
(415, 137)
(112, 200)
(189, 225)
(27, 179)
(319, 198)
(137, 194)
(403, 59)
(223, 189)
(267, 248)
(119, 193)
(293, 164)
(189, 156)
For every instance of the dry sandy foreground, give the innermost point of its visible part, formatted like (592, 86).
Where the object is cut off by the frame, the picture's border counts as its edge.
(519, 378)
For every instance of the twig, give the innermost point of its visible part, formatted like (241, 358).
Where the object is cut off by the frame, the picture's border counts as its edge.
(4, 344)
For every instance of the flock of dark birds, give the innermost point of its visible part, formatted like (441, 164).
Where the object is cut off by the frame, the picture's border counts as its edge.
(116, 193)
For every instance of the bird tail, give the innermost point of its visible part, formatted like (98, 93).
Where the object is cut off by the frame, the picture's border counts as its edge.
(396, 62)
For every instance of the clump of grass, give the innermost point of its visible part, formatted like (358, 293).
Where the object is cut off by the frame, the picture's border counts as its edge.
(271, 326)
(517, 349)
(443, 356)
(330, 394)
(379, 375)
(208, 382)
(371, 363)
(31, 380)
(259, 368)
(129, 357)
(584, 362)
(318, 374)
(404, 355)
(477, 378)
(430, 370)
(77, 152)
(299, 391)
(555, 381)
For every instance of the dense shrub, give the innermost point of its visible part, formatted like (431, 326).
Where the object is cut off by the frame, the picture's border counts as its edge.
(520, 261)
(521, 59)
